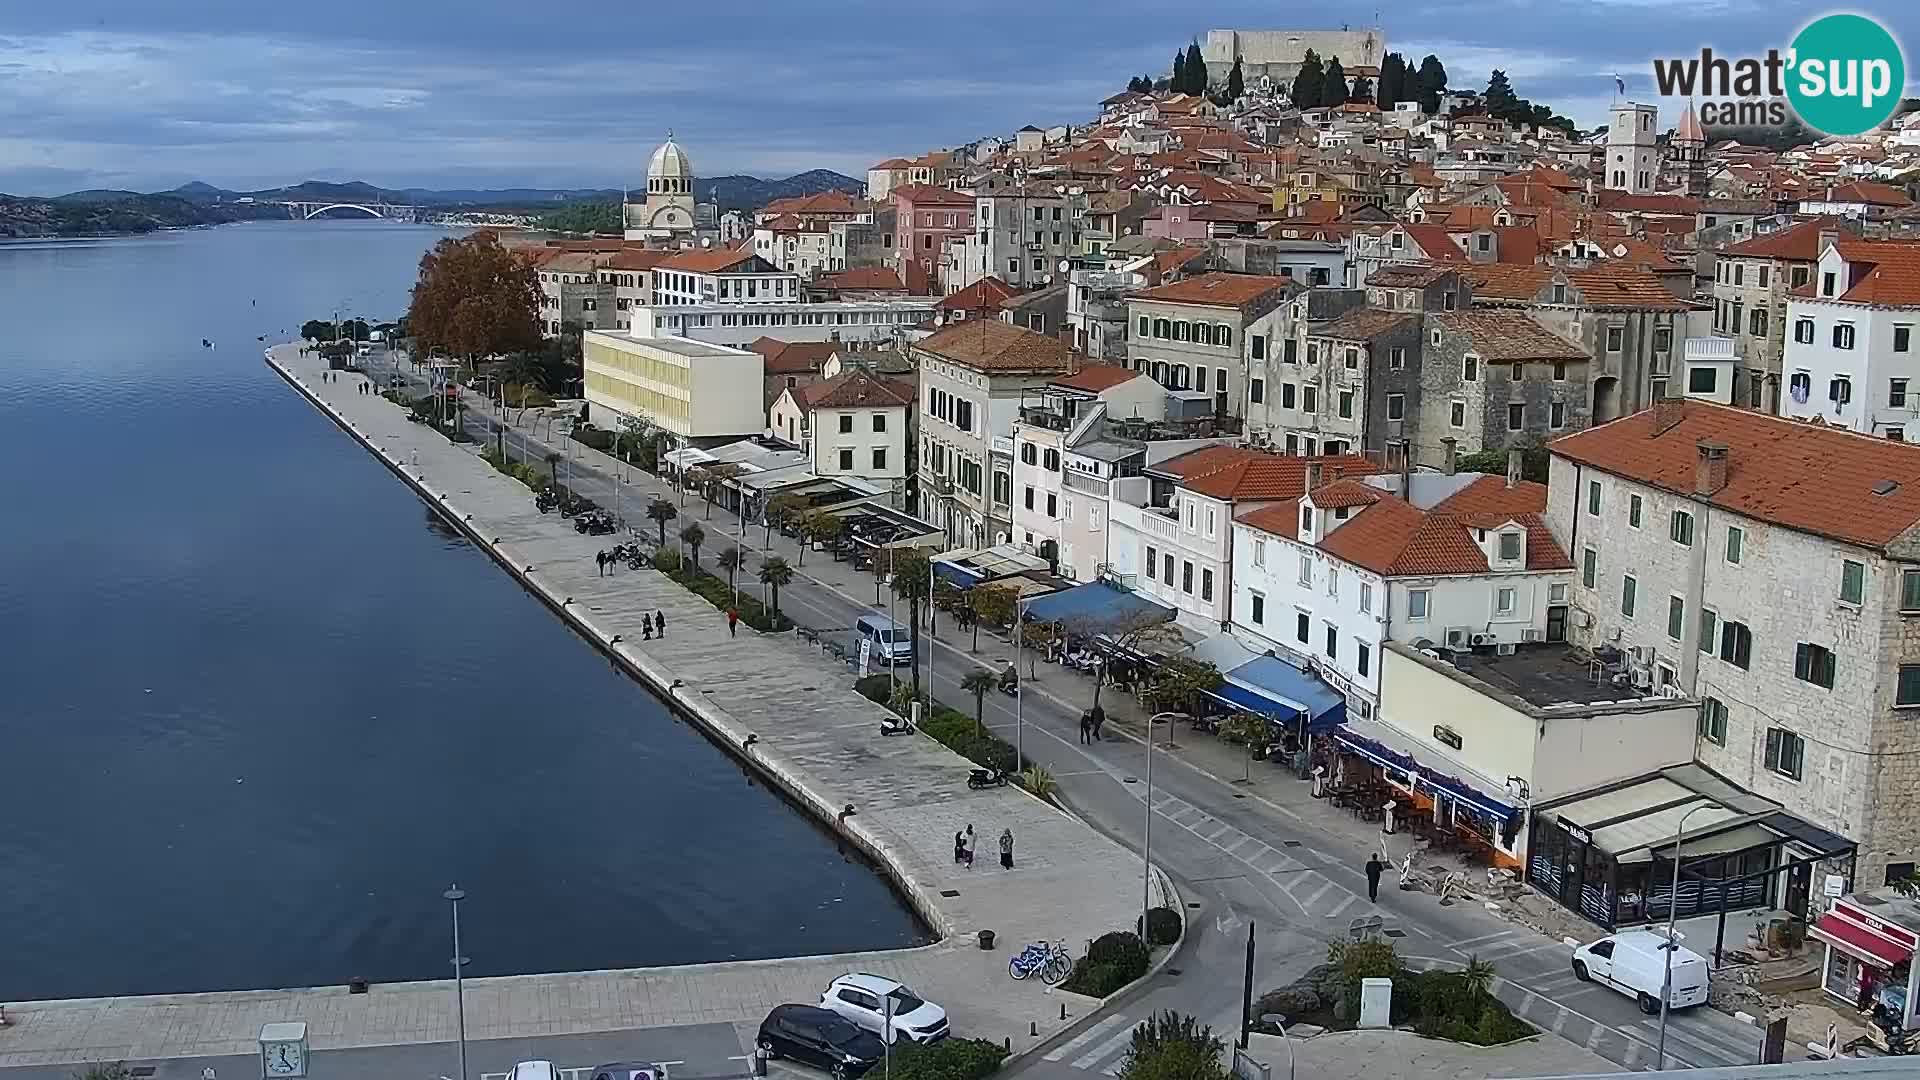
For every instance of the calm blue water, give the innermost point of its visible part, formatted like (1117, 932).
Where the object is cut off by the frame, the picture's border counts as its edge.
(258, 708)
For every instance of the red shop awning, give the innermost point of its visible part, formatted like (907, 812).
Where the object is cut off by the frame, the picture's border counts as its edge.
(1857, 940)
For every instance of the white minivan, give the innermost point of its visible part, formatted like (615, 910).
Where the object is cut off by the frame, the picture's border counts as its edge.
(892, 641)
(1634, 963)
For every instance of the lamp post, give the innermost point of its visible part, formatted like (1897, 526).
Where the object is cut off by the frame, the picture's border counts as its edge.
(1146, 834)
(454, 895)
(1666, 951)
(1019, 690)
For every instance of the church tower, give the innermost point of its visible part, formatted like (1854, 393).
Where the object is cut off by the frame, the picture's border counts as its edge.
(1633, 159)
(1687, 153)
(668, 212)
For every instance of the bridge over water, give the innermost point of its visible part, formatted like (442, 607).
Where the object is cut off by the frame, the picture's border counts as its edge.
(303, 210)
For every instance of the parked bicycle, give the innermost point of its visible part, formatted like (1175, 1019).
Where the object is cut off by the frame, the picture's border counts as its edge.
(1051, 962)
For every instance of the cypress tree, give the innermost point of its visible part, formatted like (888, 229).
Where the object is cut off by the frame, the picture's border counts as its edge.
(1196, 70)
(1430, 84)
(1179, 83)
(1499, 98)
(1333, 90)
(1307, 83)
(1393, 72)
(1236, 83)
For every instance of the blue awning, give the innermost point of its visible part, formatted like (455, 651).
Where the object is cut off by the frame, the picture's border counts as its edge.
(957, 575)
(1397, 758)
(1272, 687)
(1096, 606)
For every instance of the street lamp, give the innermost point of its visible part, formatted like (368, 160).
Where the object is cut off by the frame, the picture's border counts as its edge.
(1146, 834)
(1673, 909)
(454, 895)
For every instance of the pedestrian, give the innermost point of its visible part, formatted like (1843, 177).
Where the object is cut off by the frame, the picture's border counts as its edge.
(1006, 849)
(1374, 869)
(660, 622)
(733, 623)
(966, 847)
(600, 560)
(646, 628)
(1099, 721)
(959, 847)
(1086, 728)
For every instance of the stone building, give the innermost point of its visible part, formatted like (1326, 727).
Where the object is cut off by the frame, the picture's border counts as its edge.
(1495, 380)
(1277, 55)
(1190, 334)
(1769, 569)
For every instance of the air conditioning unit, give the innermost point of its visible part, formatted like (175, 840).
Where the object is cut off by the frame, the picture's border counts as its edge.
(1642, 655)
(1642, 679)
(1533, 635)
(1505, 648)
(1457, 636)
(1485, 639)
(1671, 691)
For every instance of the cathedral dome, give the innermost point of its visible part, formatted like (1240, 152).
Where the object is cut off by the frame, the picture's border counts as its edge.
(670, 163)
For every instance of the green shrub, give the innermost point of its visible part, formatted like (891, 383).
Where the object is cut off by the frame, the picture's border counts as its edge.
(948, 1059)
(715, 591)
(114, 1070)
(594, 437)
(667, 561)
(1163, 926)
(1174, 1046)
(1097, 980)
(1112, 961)
(951, 728)
(1118, 947)
(875, 688)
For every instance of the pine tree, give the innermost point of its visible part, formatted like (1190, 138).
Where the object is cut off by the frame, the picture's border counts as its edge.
(1393, 73)
(1362, 90)
(1196, 70)
(1179, 83)
(1499, 98)
(1430, 84)
(1236, 82)
(1307, 83)
(1333, 90)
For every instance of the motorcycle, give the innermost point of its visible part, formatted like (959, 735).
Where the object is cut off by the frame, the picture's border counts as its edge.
(895, 725)
(1010, 683)
(546, 502)
(979, 779)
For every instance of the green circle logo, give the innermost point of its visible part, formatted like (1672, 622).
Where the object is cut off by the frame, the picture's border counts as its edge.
(1845, 75)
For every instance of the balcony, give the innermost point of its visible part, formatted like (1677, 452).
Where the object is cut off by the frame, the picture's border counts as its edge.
(1092, 485)
(1160, 522)
(1042, 417)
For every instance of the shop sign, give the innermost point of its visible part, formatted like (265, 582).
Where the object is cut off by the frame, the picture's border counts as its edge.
(1577, 832)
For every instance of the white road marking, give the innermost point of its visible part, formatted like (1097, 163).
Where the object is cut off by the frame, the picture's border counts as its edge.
(1104, 1050)
(1481, 938)
(1560, 1021)
(1344, 904)
(1083, 1038)
(1593, 1040)
(1318, 893)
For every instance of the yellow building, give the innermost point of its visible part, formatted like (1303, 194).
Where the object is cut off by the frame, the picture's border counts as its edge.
(697, 391)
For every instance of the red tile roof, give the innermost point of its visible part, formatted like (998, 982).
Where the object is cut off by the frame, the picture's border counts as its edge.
(1799, 242)
(1410, 275)
(1491, 495)
(1790, 473)
(992, 345)
(1893, 275)
(709, 261)
(1216, 289)
(1507, 335)
(987, 294)
(637, 259)
(792, 357)
(1626, 202)
(1095, 378)
(1865, 191)
(858, 389)
(931, 195)
(1618, 286)
(1365, 324)
(825, 202)
(1259, 475)
(1392, 537)
(866, 278)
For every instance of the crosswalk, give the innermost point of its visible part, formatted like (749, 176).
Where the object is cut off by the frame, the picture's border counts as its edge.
(1102, 1046)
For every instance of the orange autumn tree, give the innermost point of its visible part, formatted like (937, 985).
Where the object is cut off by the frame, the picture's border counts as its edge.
(474, 299)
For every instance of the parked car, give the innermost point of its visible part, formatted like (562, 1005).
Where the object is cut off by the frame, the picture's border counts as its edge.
(868, 1000)
(819, 1037)
(1634, 963)
(533, 1070)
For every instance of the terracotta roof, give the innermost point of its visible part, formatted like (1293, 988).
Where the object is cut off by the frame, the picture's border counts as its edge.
(710, 261)
(1866, 191)
(1491, 495)
(931, 195)
(1365, 324)
(1799, 242)
(987, 294)
(1436, 241)
(1410, 275)
(574, 262)
(1802, 476)
(793, 357)
(1893, 277)
(637, 259)
(892, 163)
(857, 389)
(871, 278)
(1095, 378)
(1505, 335)
(1216, 289)
(1605, 287)
(1626, 202)
(1345, 493)
(1204, 459)
(825, 202)
(992, 345)
(1260, 475)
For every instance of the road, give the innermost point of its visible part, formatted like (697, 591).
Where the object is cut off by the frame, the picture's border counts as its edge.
(1239, 858)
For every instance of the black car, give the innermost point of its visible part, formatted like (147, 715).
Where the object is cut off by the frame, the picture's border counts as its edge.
(815, 1036)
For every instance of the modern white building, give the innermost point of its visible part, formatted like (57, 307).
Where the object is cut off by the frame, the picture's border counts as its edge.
(1852, 358)
(722, 276)
(1467, 562)
(1768, 568)
(1632, 161)
(1067, 412)
(740, 324)
(700, 392)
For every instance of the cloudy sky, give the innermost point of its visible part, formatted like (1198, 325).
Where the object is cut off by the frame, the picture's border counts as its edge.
(148, 94)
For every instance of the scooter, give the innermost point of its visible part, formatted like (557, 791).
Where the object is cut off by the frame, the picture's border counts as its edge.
(1010, 682)
(895, 725)
(986, 778)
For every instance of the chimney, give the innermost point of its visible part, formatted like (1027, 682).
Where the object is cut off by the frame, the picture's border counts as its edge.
(1406, 469)
(1667, 414)
(1710, 468)
(1313, 475)
(1513, 467)
(1452, 446)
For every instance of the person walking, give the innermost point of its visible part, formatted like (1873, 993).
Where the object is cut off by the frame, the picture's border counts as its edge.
(1374, 869)
(966, 847)
(733, 622)
(959, 847)
(660, 622)
(1006, 849)
(1099, 716)
(1086, 729)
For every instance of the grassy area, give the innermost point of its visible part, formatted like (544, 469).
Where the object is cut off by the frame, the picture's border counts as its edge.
(953, 729)
(529, 474)
(715, 591)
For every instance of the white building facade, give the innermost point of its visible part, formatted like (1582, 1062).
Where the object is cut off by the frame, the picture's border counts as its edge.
(1852, 358)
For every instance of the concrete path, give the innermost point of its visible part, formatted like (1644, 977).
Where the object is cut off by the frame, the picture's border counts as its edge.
(1402, 1055)
(812, 735)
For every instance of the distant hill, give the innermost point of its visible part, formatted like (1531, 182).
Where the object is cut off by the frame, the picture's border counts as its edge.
(109, 214)
(752, 192)
(99, 195)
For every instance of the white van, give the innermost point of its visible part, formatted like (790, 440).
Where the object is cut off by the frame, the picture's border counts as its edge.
(892, 641)
(1634, 963)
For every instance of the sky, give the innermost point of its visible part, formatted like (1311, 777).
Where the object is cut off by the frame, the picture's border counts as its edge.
(149, 94)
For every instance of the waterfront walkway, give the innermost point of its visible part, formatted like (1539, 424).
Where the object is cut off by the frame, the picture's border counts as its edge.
(811, 734)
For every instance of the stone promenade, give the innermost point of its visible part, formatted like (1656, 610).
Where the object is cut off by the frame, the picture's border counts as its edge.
(811, 734)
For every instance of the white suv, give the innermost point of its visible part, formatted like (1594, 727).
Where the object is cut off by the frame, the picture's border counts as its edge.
(868, 1000)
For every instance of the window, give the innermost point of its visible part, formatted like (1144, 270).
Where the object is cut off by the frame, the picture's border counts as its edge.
(1785, 750)
(1757, 322)
(1739, 273)
(1302, 627)
(1840, 390)
(1153, 560)
(1286, 395)
(1510, 546)
(1346, 404)
(1516, 416)
(1680, 528)
(846, 423)
(1713, 721)
(1709, 625)
(1333, 581)
(1503, 601)
(1457, 413)
(1902, 338)
(1186, 577)
(1353, 359)
(1843, 335)
(1662, 338)
(1910, 590)
(1615, 338)
(1593, 497)
(1736, 644)
(1027, 496)
(1289, 351)
(1803, 331)
(1167, 565)
(1259, 609)
(1306, 570)
(1826, 284)
(1333, 642)
(1633, 511)
(1628, 590)
(1206, 584)
(1736, 542)
(1853, 581)
(1897, 393)
(1676, 617)
(1907, 690)
(1470, 369)
(846, 461)
(1259, 553)
(1053, 505)
(1517, 373)
(1145, 327)
(1896, 433)
(879, 421)
(1257, 391)
(1397, 358)
(1360, 657)
(1366, 598)
(1201, 379)
(1417, 604)
(1259, 346)
(1309, 399)
(1396, 406)
(1557, 415)
(1589, 567)
(1702, 380)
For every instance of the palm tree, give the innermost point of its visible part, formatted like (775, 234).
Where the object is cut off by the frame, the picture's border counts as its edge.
(662, 511)
(774, 572)
(978, 683)
(693, 535)
(524, 371)
(1478, 976)
(730, 560)
(553, 469)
